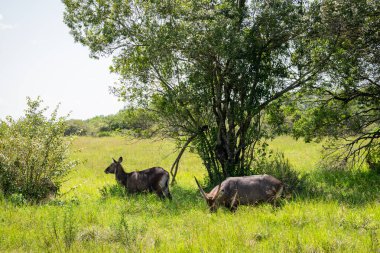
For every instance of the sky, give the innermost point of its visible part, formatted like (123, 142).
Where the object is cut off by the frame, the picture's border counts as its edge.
(38, 57)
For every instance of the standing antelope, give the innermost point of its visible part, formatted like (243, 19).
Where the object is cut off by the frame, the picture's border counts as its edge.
(153, 180)
(248, 190)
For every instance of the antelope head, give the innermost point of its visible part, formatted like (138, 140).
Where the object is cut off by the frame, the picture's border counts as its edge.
(112, 168)
(211, 198)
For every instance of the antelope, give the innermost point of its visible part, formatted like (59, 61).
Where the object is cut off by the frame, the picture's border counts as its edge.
(152, 180)
(248, 190)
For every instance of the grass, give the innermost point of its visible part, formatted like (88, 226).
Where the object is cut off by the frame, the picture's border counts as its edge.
(336, 212)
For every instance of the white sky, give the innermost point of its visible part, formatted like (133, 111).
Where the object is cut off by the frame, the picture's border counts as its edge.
(38, 57)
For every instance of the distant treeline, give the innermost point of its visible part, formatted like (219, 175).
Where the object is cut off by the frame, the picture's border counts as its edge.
(134, 121)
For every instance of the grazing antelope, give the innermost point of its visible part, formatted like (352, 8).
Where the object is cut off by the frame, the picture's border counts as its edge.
(248, 190)
(155, 179)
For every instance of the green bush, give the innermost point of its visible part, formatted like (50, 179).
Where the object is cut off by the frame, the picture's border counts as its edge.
(373, 160)
(33, 153)
(115, 190)
(17, 199)
(127, 233)
(76, 127)
(132, 121)
(276, 165)
(104, 134)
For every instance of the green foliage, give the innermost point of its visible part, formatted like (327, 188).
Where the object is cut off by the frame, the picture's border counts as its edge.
(137, 121)
(17, 199)
(314, 122)
(76, 127)
(70, 229)
(276, 121)
(127, 234)
(353, 188)
(209, 69)
(133, 121)
(336, 211)
(344, 103)
(279, 167)
(373, 161)
(97, 124)
(113, 191)
(225, 65)
(61, 233)
(34, 156)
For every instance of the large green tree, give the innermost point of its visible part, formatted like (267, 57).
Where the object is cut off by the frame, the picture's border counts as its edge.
(345, 102)
(209, 68)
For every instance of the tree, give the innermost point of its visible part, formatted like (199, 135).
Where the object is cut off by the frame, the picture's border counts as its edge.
(345, 102)
(76, 127)
(34, 155)
(209, 68)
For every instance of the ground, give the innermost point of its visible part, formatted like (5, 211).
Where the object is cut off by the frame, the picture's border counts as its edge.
(339, 212)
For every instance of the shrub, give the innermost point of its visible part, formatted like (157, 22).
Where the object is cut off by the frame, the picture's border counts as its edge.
(279, 167)
(373, 161)
(33, 153)
(115, 190)
(76, 127)
(127, 233)
(132, 121)
(104, 134)
(17, 199)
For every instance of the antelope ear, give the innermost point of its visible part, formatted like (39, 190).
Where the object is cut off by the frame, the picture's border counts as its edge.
(114, 160)
(120, 159)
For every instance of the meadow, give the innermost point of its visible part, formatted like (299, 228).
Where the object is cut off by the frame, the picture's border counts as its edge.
(336, 212)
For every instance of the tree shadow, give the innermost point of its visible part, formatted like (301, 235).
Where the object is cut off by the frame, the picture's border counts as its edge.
(353, 187)
(183, 198)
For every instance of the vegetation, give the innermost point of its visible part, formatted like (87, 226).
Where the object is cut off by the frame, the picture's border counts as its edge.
(210, 69)
(334, 211)
(231, 80)
(213, 70)
(222, 78)
(132, 121)
(345, 103)
(33, 154)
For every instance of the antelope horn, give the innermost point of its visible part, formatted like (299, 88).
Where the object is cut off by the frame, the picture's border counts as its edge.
(217, 192)
(234, 198)
(200, 189)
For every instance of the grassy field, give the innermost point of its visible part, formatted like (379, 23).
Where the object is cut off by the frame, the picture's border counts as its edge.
(340, 211)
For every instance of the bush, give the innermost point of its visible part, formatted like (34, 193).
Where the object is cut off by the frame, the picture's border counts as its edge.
(276, 165)
(132, 121)
(33, 153)
(115, 190)
(373, 161)
(76, 127)
(104, 134)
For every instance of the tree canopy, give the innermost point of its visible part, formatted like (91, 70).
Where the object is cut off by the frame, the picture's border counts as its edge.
(211, 69)
(345, 102)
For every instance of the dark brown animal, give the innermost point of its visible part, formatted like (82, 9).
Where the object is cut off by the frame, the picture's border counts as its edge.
(248, 190)
(155, 179)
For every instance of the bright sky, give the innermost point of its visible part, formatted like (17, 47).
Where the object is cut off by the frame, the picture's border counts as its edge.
(38, 57)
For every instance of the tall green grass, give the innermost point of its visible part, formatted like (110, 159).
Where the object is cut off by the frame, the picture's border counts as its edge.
(335, 212)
